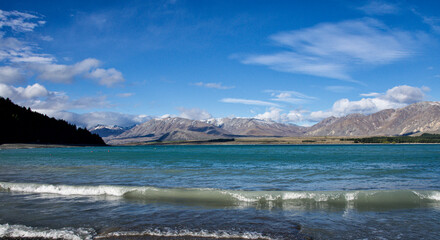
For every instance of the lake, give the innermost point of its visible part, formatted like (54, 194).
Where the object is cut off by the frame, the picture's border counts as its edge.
(239, 192)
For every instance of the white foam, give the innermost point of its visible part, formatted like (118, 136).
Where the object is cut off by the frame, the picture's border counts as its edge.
(435, 196)
(188, 233)
(318, 196)
(21, 231)
(430, 195)
(66, 189)
(351, 196)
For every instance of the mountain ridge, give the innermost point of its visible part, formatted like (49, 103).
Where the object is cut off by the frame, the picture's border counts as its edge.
(413, 119)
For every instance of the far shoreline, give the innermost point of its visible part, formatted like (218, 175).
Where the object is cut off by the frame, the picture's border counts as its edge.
(331, 140)
(276, 141)
(5, 146)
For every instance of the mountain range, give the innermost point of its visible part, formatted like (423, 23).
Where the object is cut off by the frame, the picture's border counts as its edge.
(417, 118)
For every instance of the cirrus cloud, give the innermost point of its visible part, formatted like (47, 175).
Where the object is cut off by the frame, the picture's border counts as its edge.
(332, 50)
(213, 85)
(248, 102)
(379, 8)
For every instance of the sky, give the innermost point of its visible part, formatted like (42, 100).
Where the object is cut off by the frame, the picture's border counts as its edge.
(299, 62)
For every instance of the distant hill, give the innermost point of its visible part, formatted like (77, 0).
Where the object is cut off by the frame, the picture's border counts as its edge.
(417, 118)
(414, 119)
(169, 129)
(21, 125)
(257, 127)
(106, 131)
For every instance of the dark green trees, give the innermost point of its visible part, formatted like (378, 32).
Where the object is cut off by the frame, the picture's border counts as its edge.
(21, 125)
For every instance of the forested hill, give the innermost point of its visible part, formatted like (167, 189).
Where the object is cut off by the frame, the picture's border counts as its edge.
(21, 125)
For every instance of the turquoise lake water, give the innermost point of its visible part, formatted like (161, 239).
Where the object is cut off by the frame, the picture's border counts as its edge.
(249, 192)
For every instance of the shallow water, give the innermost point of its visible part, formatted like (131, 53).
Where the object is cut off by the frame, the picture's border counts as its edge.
(254, 192)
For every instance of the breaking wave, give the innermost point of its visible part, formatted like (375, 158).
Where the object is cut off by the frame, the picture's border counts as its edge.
(167, 232)
(218, 197)
(21, 231)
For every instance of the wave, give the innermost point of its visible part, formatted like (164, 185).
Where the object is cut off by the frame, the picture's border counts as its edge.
(185, 233)
(21, 231)
(219, 197)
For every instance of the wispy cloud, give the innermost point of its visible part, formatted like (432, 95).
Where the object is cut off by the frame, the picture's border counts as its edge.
(297, 63)
(379, 8)
(125, 95)
(289, 96)
(339, 89)
(433, 22)
(372, 94)
(332, 49)
(19, 21)
(248, 102)
(213, 85)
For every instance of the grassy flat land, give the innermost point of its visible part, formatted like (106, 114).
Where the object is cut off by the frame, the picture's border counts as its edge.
(258, 141)
(424, 138)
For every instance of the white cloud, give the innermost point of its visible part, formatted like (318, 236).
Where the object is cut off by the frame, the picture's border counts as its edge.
(64, 73)
(27, 60)
(278, 115)
(19, 21)
(194, 113)
(39, 99)
(372, 94)
(405, 94)
(93, 119)
(213, 85)
(10, 75)
(107, 77)
(248, 102)
(20, 93)
(289, 96)
(15, 51)
(87, 68)
(395, 97)
(379, 8)
(333, 49)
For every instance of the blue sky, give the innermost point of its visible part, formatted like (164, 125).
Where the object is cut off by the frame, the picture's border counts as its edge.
(122, 62)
